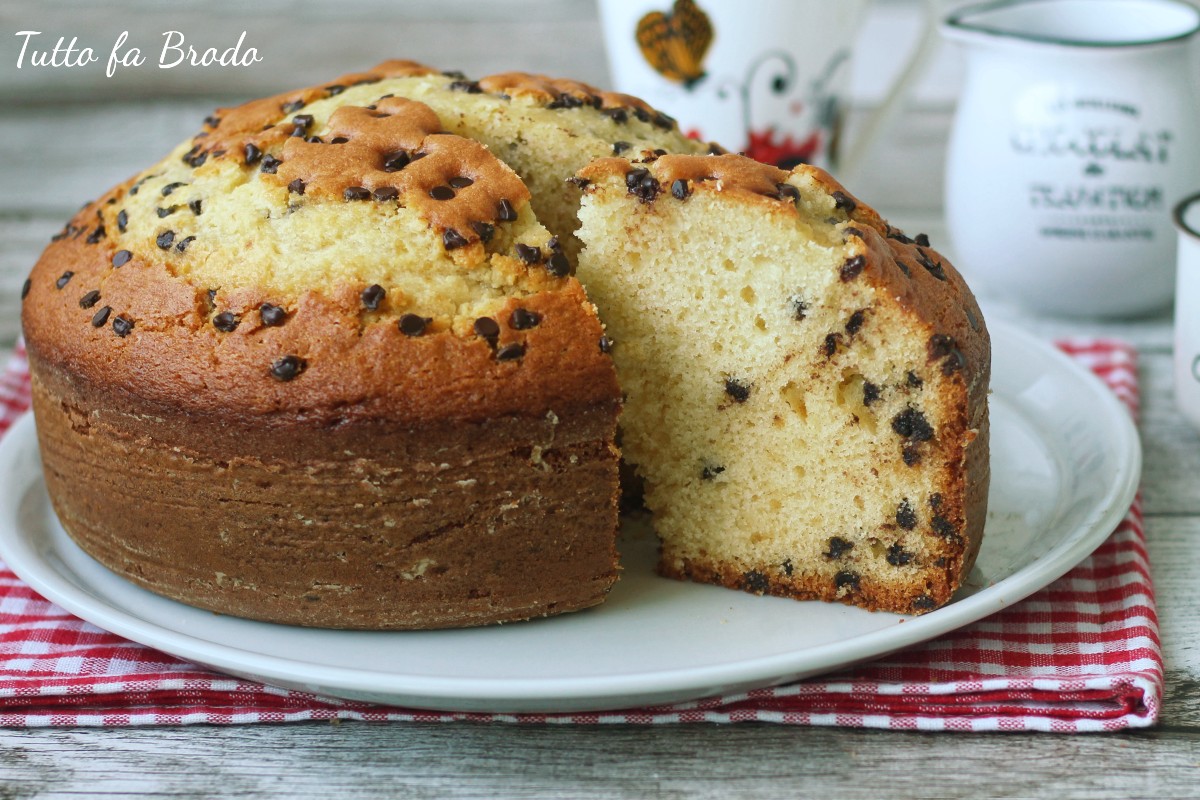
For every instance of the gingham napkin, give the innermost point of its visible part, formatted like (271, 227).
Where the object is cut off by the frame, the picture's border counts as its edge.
(1081, 655)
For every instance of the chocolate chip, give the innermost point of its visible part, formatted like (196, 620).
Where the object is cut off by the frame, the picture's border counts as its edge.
(522, 319)
(335, 89)
(954, 362)
(922, 240)
(165, 240)
(506, 212)
(914, 380)
(787, 567)
(121, 258)
(454, 73)
(212, 120)
(372, 296)
(527, 253)
(96, 235)
(251, 153)
(166, 212)
(740, 392)
(846, 580)
(906, 516)
(210, 296)
(452, 239)
(854, 232)
(171, 187)
(940, 346)
(385, 193)
(852, 267)
(356, 193)
(510, 352)
(565, 100)
(944, 528)
(911, 454)
(270, 164)
(484, 230)
(904, 267)
(617, 115)
(935, 501)
(711, 471)
(441, 193)
(923, 603)
(225, 321)
(271, 315)
(911, 424)
(559, 265)
(195, 157)
(296, 186)
(486, 327)
(897, 556)
(870, 393)
(25, 288)
(578, 182)
(338, 140)
(64, 279)
(663, 121)
(460, 182)
(303, 120)
(287, 368)
(830, 347)
(183, 243)
(462, 85)
(294, 105)
(394, 162)
(755, 581)
(413, 324)
(935, 269)
(122, 220)
(855, 323)
(785, 191)
(838, 547)
(680, 189)
(101, 316)
(620, 147)
(606, 344)
(799, 308)
(121, 326)
(642, 184)
(844, 201)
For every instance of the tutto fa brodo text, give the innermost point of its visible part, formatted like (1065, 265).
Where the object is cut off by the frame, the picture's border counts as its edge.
(174, 52)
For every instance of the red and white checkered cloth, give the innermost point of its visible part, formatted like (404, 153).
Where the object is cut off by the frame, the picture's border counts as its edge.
(1081, 655)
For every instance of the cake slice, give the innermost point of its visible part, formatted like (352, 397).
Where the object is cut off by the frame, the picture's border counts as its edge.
(805, 387)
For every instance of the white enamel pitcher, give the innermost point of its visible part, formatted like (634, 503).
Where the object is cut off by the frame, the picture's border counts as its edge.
(1077, 131)
(763, 77)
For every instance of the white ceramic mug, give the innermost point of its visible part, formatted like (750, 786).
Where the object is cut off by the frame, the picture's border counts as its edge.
(764, 77)
(1077, 130)
(1187, 310)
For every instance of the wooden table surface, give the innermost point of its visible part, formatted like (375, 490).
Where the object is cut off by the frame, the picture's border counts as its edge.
(54, 155)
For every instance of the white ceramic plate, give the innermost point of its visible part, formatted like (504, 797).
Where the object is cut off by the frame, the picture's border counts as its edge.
(1065, 466)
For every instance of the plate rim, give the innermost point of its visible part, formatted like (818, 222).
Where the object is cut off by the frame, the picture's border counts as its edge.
(592, 693)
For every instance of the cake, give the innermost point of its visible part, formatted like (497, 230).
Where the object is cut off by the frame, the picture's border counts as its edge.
(323, 366)
(805, 386)
(328, 364)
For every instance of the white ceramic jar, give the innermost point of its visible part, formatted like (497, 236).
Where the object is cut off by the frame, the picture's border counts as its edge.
(1076, 133)
(766, 78)
(1187, 311)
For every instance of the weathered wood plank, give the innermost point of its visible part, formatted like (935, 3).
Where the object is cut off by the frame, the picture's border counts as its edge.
(472, 761)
